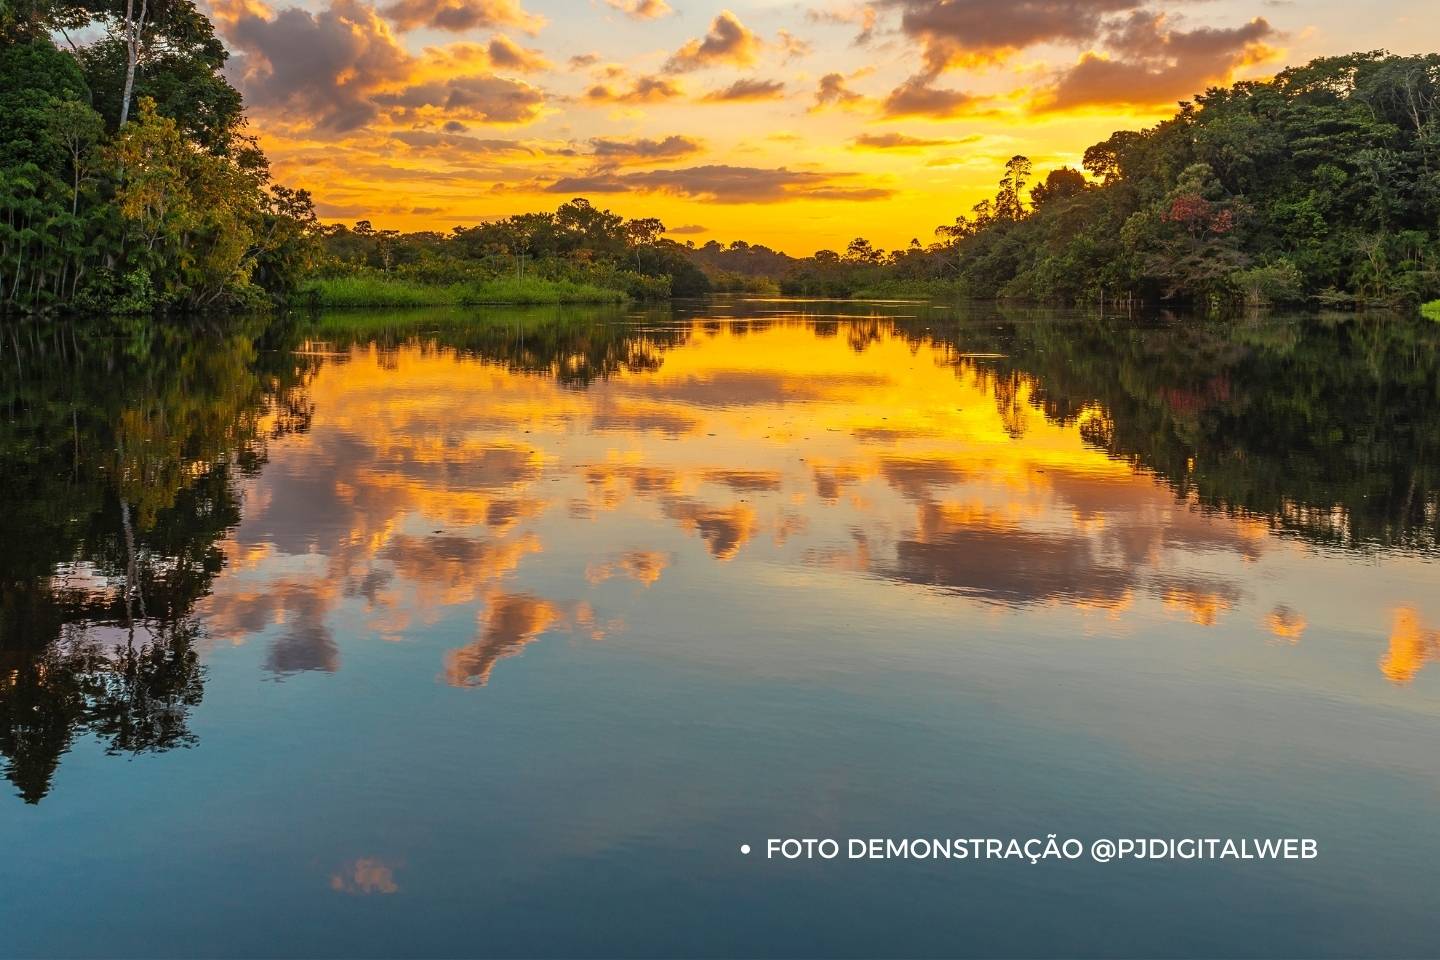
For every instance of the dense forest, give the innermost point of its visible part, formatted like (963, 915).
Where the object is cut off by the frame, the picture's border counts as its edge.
(129, 183)
(1320, 186)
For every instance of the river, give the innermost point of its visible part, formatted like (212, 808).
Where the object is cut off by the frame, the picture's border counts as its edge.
(498, 633)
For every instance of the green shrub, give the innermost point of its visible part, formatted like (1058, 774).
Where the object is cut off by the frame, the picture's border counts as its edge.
(915, 289)
(1278, 282)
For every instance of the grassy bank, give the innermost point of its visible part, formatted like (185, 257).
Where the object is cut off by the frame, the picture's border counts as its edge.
(1431, 310)
(381, 292)
(910, 289)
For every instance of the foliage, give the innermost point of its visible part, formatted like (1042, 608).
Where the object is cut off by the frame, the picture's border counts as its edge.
(577, 246)
(723, 282)
(897, 288)
(126, 182)
(1321, 186)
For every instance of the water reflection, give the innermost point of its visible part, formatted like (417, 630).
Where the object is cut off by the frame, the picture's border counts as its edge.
(365, 877)
(122, 459)
(1412, 645)
(531, 474)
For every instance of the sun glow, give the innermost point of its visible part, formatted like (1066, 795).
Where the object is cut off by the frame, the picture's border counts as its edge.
(776, 126)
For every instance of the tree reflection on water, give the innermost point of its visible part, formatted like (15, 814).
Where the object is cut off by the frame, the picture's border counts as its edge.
(124, 457)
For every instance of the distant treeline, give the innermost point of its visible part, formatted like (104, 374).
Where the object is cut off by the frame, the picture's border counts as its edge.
(578, 244)
(1321, 186)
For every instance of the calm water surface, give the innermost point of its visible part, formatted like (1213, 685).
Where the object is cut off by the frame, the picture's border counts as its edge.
(429, 634)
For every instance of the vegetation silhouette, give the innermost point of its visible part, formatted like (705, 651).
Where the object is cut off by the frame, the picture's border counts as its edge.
(123, 453)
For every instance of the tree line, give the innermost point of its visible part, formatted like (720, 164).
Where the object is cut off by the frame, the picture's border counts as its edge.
(129, 183)
(579, 242)
(1320, 187)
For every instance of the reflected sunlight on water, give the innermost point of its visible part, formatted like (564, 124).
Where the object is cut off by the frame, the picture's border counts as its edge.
(427, 480)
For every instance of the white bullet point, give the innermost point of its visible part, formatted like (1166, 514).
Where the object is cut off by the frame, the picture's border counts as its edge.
(744, 848)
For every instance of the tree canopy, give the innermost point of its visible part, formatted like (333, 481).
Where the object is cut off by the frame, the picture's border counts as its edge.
(1321, 185)
(127, 181)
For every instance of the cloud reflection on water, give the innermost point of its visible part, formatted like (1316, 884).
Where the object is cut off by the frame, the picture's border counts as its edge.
(430, 483)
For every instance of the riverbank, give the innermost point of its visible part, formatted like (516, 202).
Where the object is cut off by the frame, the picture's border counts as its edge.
(382, 292)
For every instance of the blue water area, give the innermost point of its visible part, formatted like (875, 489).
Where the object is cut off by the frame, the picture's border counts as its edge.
(498, 633)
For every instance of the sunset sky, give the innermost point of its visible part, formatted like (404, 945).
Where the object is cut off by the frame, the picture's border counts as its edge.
(795, 124)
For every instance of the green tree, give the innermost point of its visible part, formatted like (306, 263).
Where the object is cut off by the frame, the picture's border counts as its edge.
(1009, 205)
(1059, 184)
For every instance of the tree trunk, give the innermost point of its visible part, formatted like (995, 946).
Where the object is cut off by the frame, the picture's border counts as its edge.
(133, 29)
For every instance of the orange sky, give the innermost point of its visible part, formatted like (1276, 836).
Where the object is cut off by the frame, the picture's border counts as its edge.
(795, 124)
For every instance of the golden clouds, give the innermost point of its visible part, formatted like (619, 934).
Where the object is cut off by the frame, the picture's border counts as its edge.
(833, 91)
(505, 54)
(644, 150)
(483, 98)
(724, 183)
(343, 68)
(1132, 57)
(336, 86)
(728, 42)
(746, 91)
(318, 68)
(864, 17)
(458, 16)
(642, 9)
(1150, 63)
(900, 141)
(960, 32)
(917, 97)
(640, 90)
